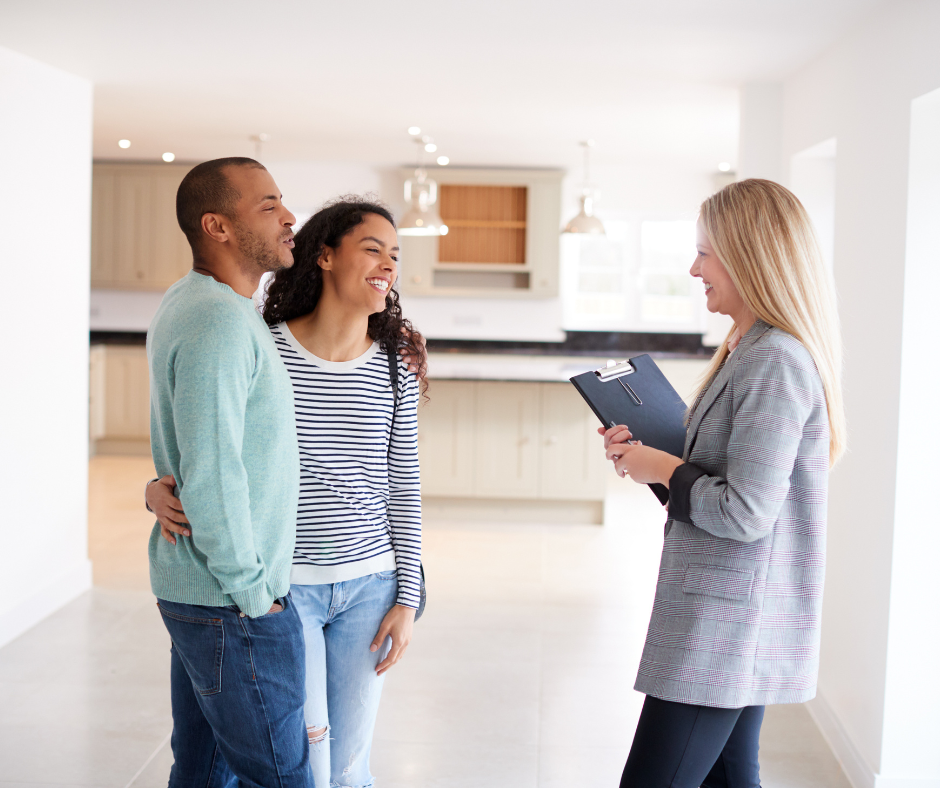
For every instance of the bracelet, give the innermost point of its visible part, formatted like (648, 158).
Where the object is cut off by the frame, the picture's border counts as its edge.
(146, 487)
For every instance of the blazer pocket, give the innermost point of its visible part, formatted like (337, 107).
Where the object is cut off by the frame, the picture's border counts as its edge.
(718, 581)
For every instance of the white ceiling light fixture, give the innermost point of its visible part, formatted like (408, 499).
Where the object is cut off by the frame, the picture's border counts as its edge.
(168, 157)
(414, 131)
(443, 161)
(124, 144)
(259, 140)
(421, 217)
(586, 221)
(724, 167)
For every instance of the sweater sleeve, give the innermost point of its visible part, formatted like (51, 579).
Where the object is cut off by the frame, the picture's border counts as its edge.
(212, 374)
(404, 486)
(774, 393)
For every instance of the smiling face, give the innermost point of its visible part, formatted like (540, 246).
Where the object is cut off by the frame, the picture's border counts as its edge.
(363, 267)
(721, 294)
(262, 230)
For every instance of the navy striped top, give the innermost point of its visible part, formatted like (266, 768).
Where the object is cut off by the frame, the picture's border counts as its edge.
(360, 493)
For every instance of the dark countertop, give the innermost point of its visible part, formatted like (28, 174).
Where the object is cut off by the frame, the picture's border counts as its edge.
(608, 344)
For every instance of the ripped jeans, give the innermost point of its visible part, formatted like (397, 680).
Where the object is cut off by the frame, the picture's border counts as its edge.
(343, 692)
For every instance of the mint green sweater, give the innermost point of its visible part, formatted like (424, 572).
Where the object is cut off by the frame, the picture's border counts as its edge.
(222, 422)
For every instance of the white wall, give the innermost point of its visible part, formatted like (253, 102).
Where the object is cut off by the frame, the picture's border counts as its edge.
(911, 741)
(874, 627)
(45, 215)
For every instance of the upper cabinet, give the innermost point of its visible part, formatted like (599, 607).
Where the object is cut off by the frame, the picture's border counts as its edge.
(502, 240)
(136, 243)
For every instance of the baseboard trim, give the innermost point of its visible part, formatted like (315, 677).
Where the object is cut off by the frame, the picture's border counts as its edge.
(853, 763)
(855, 766)
(60, 592)
(513, 510)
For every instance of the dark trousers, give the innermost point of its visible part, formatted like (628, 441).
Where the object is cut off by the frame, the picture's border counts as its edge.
(682, 746)
(237, 691)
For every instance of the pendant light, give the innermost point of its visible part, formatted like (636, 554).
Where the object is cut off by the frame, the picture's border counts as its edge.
(586, 221)
(421, 216)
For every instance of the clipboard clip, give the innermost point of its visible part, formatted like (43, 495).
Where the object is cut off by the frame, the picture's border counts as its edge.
(616, 371)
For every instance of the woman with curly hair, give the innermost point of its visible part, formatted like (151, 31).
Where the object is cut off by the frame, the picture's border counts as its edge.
(355, 580)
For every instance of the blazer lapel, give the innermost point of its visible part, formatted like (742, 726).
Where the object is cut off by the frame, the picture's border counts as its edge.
(719, 382)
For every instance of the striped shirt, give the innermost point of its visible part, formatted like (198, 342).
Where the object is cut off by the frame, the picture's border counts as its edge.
(360, 494)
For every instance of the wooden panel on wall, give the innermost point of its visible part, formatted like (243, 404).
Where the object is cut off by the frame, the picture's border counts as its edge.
(487, 224)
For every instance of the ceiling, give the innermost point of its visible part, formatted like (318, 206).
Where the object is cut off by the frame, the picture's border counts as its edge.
(500, 82)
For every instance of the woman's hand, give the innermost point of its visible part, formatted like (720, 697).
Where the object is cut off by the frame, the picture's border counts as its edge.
(398, 623)
(168, 508)
(619, 434)
(416, 363)
(643, 464)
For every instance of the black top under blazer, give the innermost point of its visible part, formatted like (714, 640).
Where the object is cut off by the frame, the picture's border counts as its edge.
(736, 617)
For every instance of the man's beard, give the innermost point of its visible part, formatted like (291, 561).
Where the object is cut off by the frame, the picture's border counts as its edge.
(259, 254)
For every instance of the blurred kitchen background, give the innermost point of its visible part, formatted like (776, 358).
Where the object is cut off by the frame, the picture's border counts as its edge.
(546, 163)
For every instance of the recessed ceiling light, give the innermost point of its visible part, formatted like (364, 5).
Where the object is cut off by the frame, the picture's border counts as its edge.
(169, 156)
(430, 147)
(414, 131)
(443, 161)
(724, 167)
(124, 143)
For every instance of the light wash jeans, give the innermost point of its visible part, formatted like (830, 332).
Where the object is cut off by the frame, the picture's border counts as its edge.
(343, 692)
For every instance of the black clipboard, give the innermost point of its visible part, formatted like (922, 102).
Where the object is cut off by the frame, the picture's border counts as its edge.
(636, 393)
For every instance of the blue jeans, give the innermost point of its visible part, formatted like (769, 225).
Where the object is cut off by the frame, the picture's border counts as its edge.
(236, 686)
(340, 621)
(684, 746)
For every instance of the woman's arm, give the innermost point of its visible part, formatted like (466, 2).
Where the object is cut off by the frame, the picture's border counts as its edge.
(167, 507)
(775, 390)
(404, 488)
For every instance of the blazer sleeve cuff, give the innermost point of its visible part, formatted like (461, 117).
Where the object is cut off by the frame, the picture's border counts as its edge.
(680, 491)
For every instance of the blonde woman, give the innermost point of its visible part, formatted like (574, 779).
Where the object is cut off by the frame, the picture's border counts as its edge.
(736, 618)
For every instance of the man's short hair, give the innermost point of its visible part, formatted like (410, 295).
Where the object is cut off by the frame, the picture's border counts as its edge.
(206, 189)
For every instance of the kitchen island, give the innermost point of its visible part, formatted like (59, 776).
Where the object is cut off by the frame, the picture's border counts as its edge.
(510, 435)
(500, 434)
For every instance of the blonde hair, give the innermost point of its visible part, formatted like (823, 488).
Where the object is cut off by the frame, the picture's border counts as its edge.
(764, 238)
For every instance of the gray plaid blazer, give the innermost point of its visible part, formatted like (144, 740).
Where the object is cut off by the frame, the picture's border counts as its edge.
(737, 611)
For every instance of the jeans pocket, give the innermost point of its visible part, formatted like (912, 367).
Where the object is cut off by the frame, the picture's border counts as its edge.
(390, 574)
(200, 643)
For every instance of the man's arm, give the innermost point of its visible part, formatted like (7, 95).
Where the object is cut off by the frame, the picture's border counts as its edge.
(212, 374)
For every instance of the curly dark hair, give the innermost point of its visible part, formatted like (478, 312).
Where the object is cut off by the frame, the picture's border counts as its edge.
(295, 291)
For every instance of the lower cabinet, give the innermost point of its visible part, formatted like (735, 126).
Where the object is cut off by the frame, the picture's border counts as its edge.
(119, 400)
(476, 439)
(481, 439)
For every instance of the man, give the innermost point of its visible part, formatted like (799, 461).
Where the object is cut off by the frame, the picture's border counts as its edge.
(222, 424)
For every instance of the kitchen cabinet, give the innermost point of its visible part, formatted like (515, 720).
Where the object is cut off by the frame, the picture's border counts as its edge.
(506, 451)
(446, 434)
(136, 243)
(119, 416)
(571, 459)
(509, 440)
(504, 241)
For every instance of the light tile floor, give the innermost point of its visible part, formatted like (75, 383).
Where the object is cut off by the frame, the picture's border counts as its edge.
(520, 674)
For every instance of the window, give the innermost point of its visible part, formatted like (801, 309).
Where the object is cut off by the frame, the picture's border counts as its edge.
(636, 278)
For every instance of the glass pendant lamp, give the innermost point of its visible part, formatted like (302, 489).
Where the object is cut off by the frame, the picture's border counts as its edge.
(421, 216)
(586, 221)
